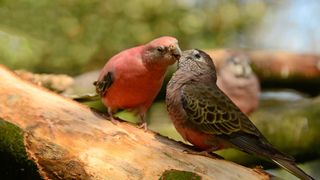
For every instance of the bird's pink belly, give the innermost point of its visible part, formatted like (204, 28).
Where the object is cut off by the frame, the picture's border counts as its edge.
(198, 139)
(129, 96)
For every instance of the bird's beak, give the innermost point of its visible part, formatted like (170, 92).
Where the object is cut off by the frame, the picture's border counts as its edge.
(175, 51)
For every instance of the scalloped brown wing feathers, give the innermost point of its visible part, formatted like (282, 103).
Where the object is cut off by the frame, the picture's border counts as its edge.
(211, 111)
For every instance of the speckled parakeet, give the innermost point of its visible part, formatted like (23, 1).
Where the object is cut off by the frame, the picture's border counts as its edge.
(208, 119)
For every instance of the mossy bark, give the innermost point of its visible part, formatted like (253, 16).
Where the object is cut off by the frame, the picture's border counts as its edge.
(173, 174)
(15, 163)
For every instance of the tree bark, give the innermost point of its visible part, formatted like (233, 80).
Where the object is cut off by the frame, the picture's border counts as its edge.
(277, 69)
(66, 140)
(275, 64)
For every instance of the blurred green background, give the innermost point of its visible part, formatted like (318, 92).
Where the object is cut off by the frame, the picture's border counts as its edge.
(77, 36)
(74, 36)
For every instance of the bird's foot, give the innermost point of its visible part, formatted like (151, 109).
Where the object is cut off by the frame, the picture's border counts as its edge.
(114, 120)
(99, 113)
(203, 153)
(143, 122)
(106, 116)
(143, 125)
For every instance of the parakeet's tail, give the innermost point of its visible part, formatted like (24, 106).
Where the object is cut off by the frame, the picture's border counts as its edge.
(260, 146)
(85, 98)
(293, 169)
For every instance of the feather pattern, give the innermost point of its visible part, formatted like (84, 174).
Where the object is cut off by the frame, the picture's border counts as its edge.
(207, 118)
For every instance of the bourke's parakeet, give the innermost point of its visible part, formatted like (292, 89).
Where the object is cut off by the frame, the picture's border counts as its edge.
(207, 118)
(132, 78)
(237, 80)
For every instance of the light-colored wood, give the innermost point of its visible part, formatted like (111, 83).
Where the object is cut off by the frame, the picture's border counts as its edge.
(68, 140)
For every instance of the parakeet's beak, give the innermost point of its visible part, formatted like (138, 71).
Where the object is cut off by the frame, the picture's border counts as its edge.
(175, 51)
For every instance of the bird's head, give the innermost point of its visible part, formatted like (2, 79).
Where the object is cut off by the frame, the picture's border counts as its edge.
(238, 65)
(197, 62)
(161, 52)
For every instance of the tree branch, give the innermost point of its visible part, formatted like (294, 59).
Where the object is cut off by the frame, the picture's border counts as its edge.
(67, 140)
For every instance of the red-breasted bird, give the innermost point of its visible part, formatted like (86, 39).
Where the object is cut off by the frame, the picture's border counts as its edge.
(237, 80)
(208, 119)
(132, 78)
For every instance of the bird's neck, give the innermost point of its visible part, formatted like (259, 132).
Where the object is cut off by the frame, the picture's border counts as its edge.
(209, 77)
(182, 77)
(154, 65)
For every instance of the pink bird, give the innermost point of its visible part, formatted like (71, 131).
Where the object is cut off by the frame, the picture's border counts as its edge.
(237, 80)
(132, 78)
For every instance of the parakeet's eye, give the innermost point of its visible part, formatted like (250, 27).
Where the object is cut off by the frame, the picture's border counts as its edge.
(236, 61)
(160, 49)
(197, 55)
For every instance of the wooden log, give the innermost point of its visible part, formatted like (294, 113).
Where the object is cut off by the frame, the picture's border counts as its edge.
(275, 64)
(66, 140)
(55, 82)
(277, 69)
(286, 65)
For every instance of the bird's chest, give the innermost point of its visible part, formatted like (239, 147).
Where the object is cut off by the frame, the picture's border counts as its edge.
(134, 88)
(199, 139)
(179, 118)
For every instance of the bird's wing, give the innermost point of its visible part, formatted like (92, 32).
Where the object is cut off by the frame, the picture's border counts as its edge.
(103, 85)
(211, 111)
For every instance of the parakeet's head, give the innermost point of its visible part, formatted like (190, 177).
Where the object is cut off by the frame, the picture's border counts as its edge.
(197, 62)
(161, 52)
(238, 65)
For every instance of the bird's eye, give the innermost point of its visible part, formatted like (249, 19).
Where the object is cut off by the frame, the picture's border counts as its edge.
(160, 49)
(236, 60)
(197, 55)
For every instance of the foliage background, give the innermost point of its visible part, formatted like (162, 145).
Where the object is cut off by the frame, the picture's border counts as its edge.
(74, 36)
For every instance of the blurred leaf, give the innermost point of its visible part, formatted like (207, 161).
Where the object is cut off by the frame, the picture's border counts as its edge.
(77, 36)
